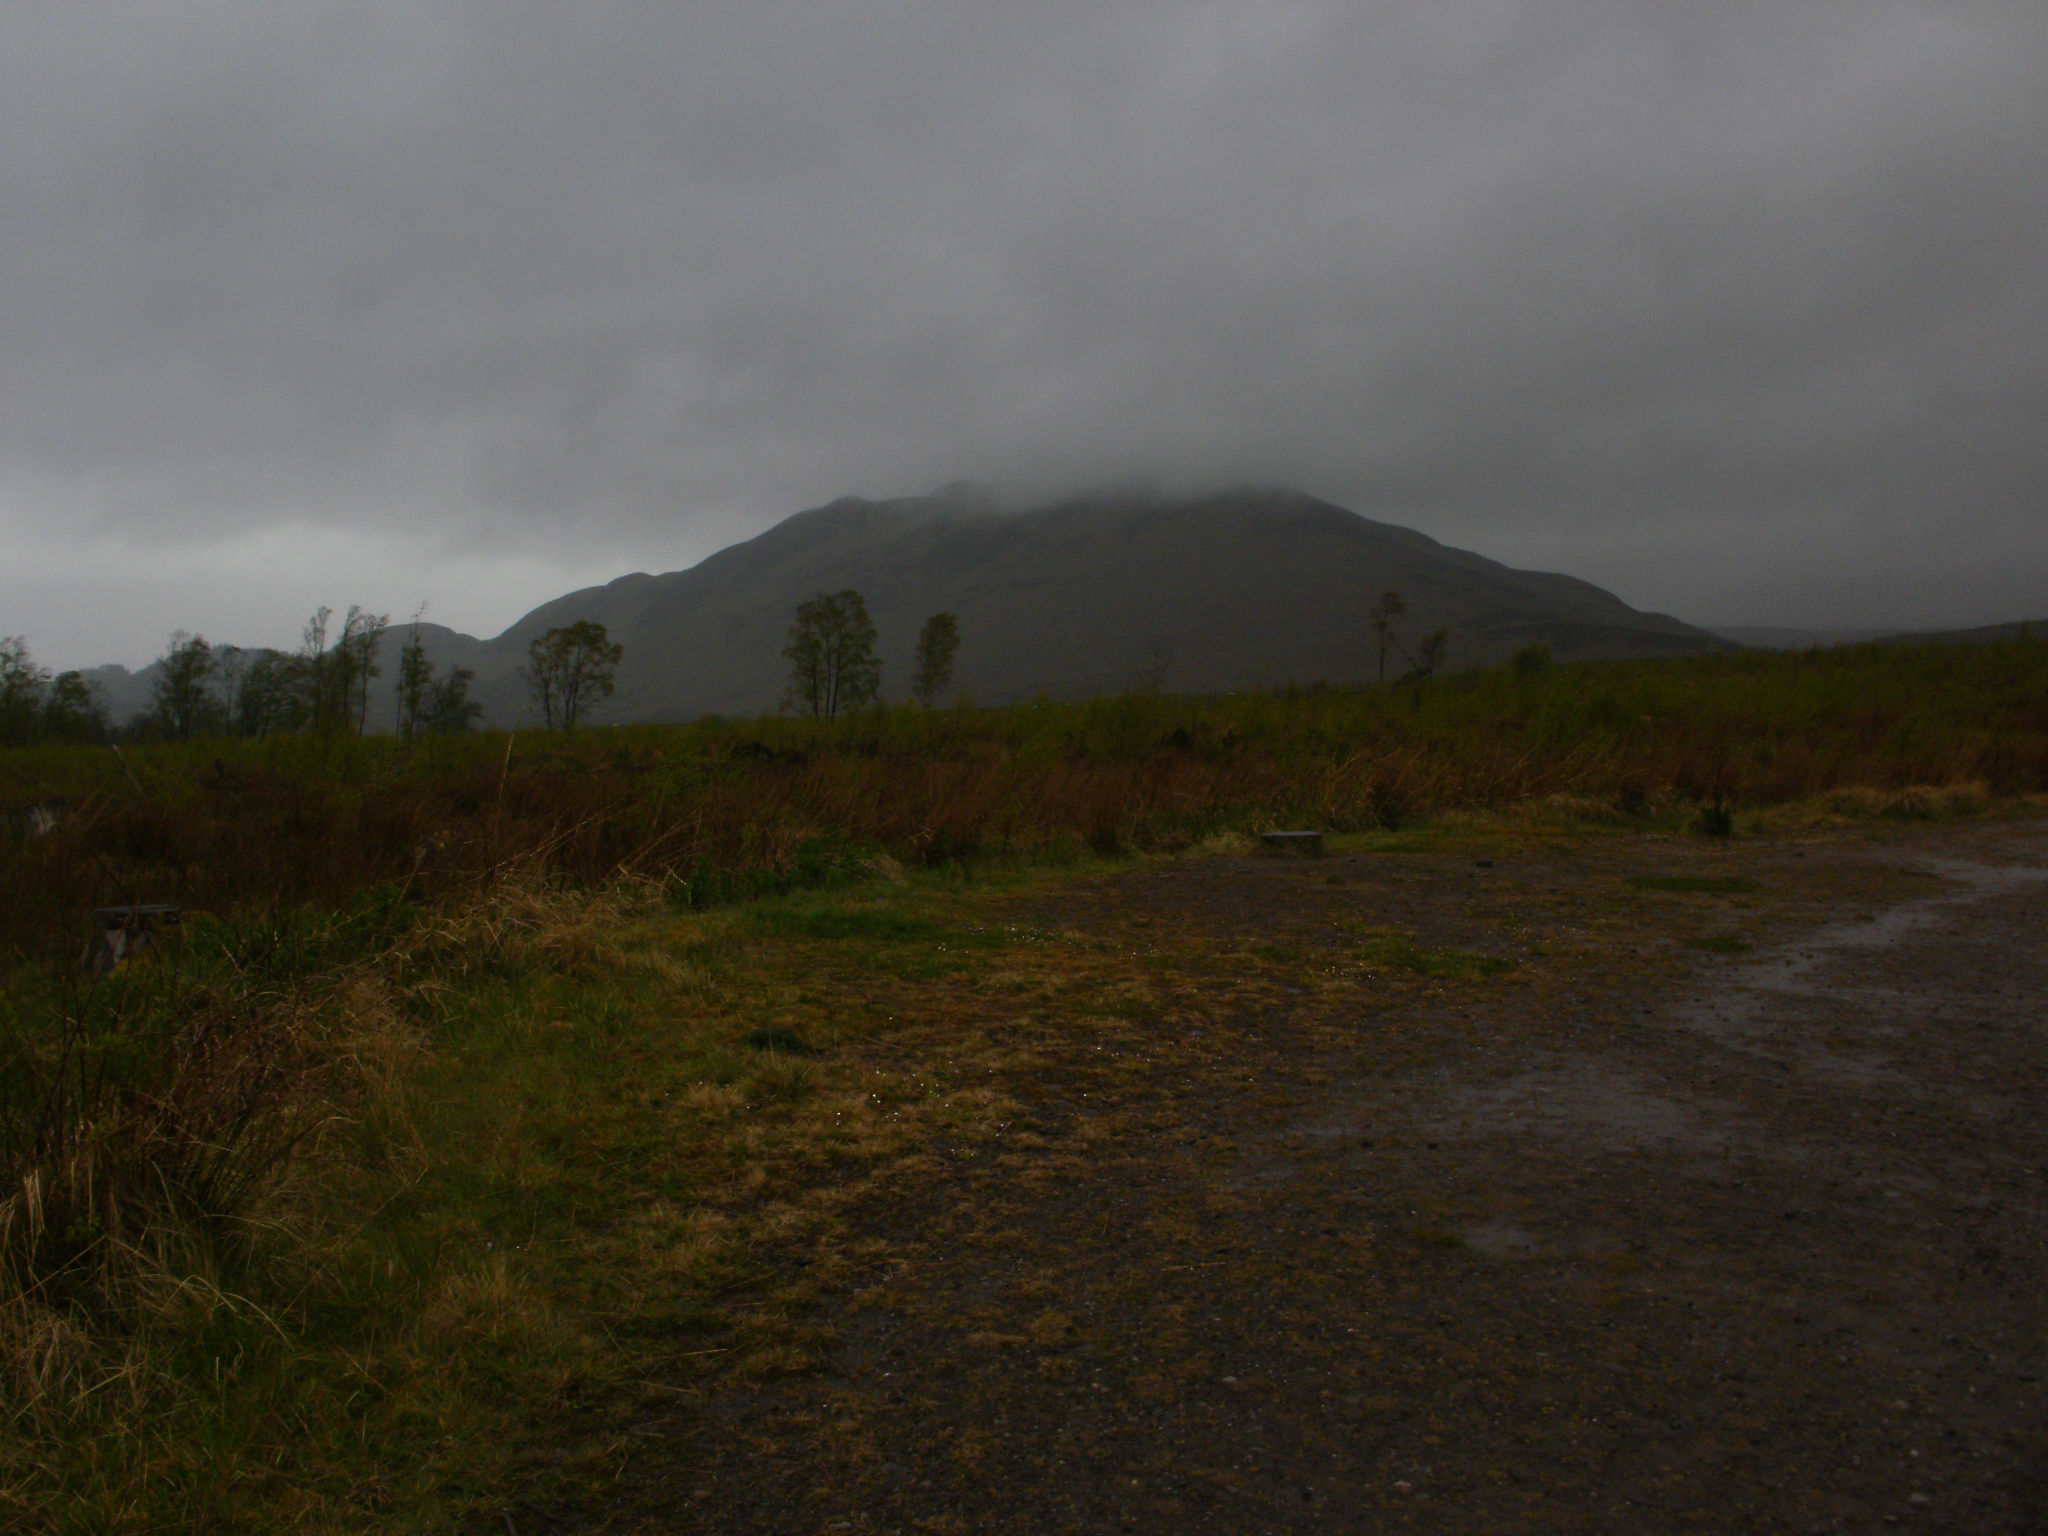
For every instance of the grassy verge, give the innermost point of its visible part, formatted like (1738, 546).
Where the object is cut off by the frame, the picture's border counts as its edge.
(547, 1145)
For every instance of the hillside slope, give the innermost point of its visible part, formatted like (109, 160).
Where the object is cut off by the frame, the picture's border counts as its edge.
(1239, 590)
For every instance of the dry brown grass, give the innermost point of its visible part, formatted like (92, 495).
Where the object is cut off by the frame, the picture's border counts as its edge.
(726, 810)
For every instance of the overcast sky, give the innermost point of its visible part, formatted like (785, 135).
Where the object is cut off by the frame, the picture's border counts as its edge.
(1740, 309)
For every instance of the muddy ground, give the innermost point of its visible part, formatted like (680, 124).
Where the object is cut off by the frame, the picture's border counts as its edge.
(1613, 1184)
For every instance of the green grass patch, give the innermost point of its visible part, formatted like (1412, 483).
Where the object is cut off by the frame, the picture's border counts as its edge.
(895, 942)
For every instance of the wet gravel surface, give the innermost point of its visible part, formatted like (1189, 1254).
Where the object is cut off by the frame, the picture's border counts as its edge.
(1603, 1186)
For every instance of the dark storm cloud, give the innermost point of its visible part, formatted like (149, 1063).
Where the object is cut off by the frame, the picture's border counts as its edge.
(1740, 308)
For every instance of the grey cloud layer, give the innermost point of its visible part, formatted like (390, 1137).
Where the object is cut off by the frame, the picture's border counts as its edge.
(1736, 306)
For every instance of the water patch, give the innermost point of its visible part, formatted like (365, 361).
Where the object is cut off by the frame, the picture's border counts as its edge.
(1749, 1001)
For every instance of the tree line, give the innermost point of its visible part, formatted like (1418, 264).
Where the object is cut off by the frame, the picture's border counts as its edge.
(324, 686)
(202, 689)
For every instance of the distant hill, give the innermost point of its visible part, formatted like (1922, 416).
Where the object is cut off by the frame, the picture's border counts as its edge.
(1759, 637)
(2022, 629)
(1240, 590)
(1765, 639)
(1247, 589)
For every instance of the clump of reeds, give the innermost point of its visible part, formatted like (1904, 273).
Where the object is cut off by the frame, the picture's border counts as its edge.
(184, 1146)
(140, 1115)
(145, 1119)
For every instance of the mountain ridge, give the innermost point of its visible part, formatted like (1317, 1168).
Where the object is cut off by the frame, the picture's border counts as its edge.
(1235, 590)
(1244, 589)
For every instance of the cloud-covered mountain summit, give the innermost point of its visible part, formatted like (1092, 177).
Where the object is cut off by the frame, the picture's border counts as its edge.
(1737, 308)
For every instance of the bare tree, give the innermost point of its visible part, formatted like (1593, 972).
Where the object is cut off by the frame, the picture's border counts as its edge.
(831, 654)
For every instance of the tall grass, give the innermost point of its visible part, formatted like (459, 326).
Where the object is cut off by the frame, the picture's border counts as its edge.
(235, 828)
(144, 1120)
(139, 1115)
(224, 1296)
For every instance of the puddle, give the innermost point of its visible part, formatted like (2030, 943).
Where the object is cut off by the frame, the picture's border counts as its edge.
(1590, 1101)
(1746, 998)
(1830, 1009)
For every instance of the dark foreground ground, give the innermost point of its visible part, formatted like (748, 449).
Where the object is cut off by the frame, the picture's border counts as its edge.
(1612, 1185)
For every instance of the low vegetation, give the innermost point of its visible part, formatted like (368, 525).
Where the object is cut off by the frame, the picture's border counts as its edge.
(307, 1214)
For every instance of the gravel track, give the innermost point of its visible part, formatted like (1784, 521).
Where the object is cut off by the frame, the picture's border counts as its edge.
(1634, 1236)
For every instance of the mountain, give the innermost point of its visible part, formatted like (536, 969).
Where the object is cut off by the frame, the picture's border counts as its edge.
(1238, 590)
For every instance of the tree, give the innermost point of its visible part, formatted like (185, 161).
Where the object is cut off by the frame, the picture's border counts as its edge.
(275, 695)
(316, 706)
(427, 707)
(569, 671)
(21, 692)
(1531, 661)
(185, 705)
(230, 670)
(356, 651)
(450, 711)
(415, 681)
(1151, 674)
(334, 681)
(831, 654)
(937, 644)
(1382, 614)
(1430, 654)
(75, 710)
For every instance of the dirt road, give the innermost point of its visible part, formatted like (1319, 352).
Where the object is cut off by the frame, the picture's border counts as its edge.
(1599, 1185)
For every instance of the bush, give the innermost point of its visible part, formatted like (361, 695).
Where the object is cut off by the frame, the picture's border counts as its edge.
(141, 1115)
